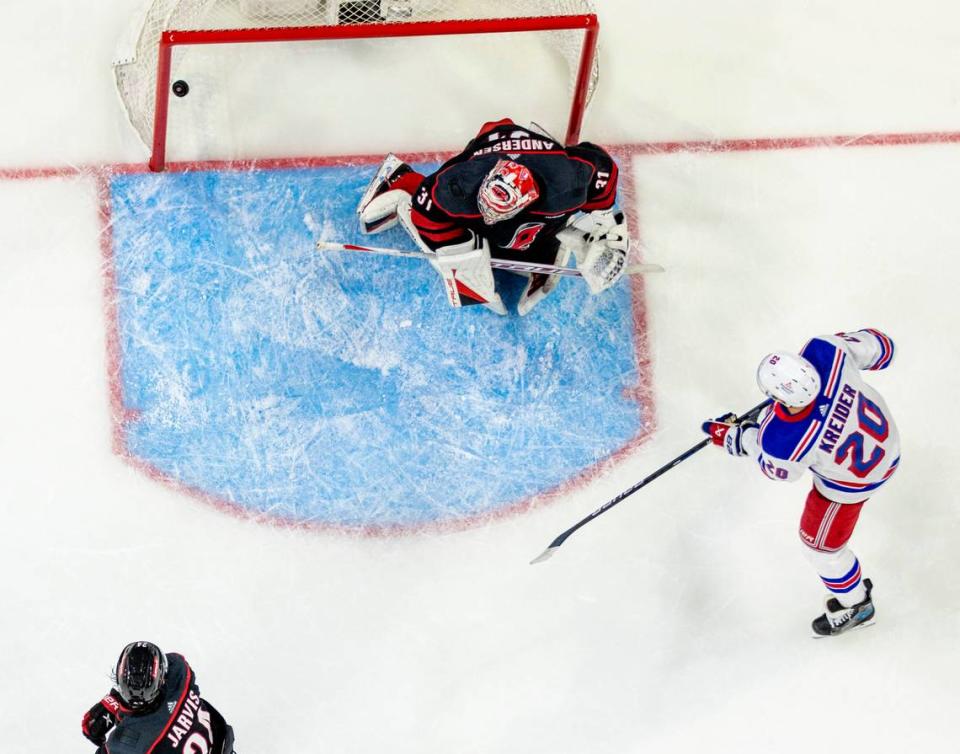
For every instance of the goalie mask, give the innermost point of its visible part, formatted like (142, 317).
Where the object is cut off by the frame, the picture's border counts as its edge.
(505, 191)
(788, 379)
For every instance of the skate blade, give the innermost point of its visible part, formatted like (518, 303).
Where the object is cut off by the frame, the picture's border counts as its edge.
(390, 163)
(865, 624)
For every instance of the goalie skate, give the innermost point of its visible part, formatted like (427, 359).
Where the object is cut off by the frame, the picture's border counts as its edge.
(839, 619)
(539, 286)
(377, 210)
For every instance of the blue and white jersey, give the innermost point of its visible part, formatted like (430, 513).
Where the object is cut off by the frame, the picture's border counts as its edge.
(846, 437)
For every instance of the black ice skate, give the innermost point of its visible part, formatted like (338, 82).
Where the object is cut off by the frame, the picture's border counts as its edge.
(376, 216)
(839, 619)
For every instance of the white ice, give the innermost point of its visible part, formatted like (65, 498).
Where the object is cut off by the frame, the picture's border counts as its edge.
(677, 622)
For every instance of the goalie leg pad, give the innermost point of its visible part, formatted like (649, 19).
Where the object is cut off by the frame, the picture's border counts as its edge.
(465, 268)
(377, 210)
(380, 213)
(467, 275)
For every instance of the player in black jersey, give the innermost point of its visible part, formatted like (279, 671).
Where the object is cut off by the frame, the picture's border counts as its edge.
(155, 708)
(512, 193)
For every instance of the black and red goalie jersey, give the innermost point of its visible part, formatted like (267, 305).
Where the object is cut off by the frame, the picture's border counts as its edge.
(568, 180)
(512, 194)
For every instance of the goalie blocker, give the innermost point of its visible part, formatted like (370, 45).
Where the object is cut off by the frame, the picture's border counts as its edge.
(512, 194)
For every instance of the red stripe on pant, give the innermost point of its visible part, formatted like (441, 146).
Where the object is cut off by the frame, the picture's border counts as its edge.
(826, 525)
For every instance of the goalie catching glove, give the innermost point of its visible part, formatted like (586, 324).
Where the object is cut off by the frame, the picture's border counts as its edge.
(738, 438)
(600, 242)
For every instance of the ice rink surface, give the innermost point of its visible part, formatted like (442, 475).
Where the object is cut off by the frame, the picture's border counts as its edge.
(677, 622)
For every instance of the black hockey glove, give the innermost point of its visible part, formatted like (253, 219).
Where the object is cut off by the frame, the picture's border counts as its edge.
(100, 719)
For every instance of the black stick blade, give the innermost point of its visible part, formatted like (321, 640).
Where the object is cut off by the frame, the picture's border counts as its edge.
(554, 546)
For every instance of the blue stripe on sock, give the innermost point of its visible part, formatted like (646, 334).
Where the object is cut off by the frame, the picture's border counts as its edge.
(856, 567)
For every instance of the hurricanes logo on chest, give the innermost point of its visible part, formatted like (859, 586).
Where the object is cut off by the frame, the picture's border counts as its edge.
(523, 237)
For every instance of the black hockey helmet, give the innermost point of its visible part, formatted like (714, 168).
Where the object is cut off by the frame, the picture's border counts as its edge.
(141, 675)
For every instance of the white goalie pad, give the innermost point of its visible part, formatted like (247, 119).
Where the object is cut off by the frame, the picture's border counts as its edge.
(380, 213)
(377, 210)
(466, 273)
(464, 268)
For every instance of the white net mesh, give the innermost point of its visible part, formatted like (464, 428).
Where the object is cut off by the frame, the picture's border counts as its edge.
(135, 66)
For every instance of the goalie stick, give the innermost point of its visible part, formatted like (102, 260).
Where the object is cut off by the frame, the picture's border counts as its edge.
(500, 264)
(554, 546)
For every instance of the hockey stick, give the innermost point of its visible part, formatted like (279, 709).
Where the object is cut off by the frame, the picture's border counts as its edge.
(554, 546)
(500, 264)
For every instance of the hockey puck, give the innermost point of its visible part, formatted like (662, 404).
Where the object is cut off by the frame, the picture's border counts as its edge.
(180, 88)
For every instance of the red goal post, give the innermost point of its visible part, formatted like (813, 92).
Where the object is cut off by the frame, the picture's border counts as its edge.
(143, 74)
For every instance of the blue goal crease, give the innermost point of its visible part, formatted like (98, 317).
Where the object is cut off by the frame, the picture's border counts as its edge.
(340, 388)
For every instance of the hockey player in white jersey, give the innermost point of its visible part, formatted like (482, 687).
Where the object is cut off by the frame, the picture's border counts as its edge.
(825, 418)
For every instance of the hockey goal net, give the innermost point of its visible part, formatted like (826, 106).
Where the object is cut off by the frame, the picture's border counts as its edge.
(143, 68)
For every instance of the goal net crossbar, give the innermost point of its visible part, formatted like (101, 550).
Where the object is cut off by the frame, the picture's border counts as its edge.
(134, 77)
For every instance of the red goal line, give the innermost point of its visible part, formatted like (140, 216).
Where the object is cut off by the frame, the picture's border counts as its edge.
(628, 148)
